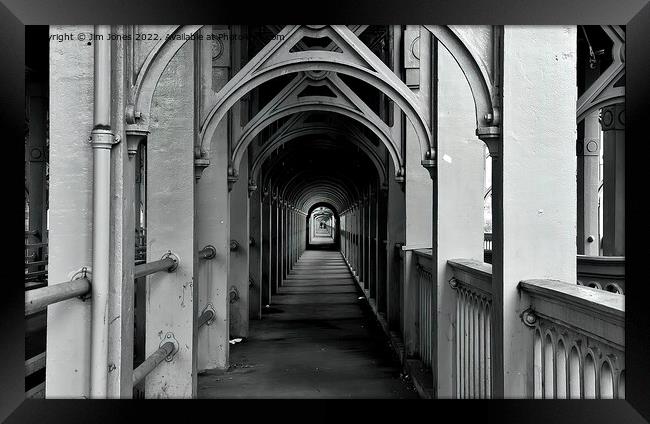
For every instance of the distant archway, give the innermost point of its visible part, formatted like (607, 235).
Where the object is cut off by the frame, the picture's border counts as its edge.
(323, 227)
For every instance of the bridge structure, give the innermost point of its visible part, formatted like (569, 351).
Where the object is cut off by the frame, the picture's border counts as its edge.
(258, 211)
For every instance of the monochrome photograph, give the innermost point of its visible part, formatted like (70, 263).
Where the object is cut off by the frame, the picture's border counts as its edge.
(325, 211)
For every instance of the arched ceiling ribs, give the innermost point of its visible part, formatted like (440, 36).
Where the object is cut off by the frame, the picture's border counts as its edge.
(292, 99)
(604, 92)
(302, 185)
(295, 128)
(356, 29)
(290, 179)
(356, 60)
(294, 181)
(483, 79)
(327, 157)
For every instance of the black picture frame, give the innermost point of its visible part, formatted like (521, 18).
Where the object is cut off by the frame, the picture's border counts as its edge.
(635, 14)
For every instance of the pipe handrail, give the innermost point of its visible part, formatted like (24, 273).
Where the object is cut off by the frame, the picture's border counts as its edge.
(37, 299)
(149, 364)
(35, 363)
(168, 264)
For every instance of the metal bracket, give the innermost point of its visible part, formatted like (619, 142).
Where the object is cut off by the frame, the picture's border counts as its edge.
(529, 318)
(234, 245)
(212, 250)
(169, 337)
(83, 273)
(209, 307)
(174, 257)
(103, 138)
(453, 283)
(234, 294)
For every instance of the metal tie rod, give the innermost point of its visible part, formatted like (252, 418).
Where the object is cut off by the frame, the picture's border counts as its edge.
(166, 351)
(40, 298)
(169, 262)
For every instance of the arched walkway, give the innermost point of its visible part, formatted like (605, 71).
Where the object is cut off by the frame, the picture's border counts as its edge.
(318, 339)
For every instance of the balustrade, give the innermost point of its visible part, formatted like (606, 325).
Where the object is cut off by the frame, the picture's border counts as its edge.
(579, 340)
(472, 281)
(425, 309)
(602, 272)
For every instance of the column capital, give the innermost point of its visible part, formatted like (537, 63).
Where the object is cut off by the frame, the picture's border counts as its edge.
(588, 147)
(134, 136)
(613, 117)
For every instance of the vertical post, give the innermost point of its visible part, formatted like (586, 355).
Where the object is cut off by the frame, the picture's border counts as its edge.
(458, 206)
(613, 121)
(588, 151)
(172, 298)
(238, 276)
(67, 371)
(373, 253)
(266, 248)
(274, 244)
(213, 216)
(382, 271)
(122, 253)
(36, 159)
(255, 256)
(530, 203)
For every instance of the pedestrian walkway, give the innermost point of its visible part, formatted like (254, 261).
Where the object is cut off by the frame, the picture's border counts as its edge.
(316, 340)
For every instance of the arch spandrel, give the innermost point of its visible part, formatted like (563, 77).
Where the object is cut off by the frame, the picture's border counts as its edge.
(478, 74)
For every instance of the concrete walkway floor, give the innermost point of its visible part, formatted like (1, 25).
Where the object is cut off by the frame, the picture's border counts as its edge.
(316, 340)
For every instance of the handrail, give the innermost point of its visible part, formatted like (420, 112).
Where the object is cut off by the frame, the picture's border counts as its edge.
(168, 263)
(471, 273)
(577, 349)
(39, 298)
(35, 364)
(166, 351)
(602, 272)
(580, 299)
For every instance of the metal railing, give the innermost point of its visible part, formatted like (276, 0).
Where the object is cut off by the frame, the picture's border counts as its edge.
(602, 272)
(424, 305)
(579, 340)
(169, 262)
(168, 348)
(166, 351)
(40, 298)
(472, 281)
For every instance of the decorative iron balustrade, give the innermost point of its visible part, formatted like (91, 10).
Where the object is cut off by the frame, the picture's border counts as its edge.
(579, 340)
(602, 272)
(425, 309)
(472, 281)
